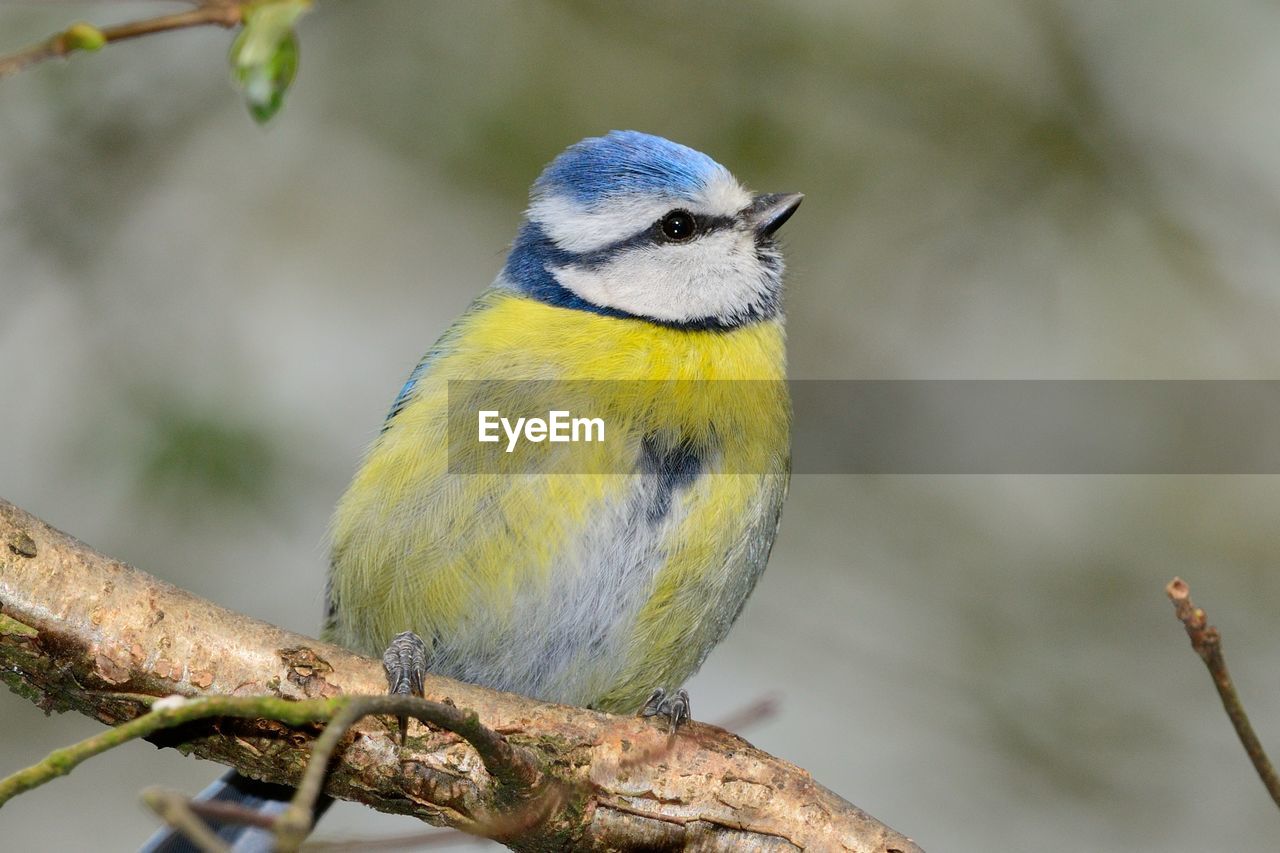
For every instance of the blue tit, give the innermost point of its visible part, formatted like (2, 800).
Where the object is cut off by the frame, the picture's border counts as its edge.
(645, 268)
(640, 261)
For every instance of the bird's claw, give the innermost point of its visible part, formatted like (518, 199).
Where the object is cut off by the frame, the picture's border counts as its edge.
(675, 708)
(405, 664)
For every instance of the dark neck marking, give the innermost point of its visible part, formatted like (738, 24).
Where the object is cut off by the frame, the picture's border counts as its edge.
(535, 254)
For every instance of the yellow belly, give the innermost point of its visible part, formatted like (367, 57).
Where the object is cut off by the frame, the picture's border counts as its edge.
(551, 582)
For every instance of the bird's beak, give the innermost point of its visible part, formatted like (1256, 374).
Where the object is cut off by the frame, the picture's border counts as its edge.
(767, 212)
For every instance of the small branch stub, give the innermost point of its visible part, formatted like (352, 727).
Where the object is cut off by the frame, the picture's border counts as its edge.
(1207, 643)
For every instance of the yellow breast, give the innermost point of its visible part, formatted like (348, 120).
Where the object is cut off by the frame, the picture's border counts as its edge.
(463, 556)
(512, 336)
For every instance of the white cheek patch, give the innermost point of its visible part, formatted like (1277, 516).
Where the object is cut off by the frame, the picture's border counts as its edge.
(715, 276)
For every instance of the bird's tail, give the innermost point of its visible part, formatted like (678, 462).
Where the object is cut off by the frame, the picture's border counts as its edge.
(234, 789)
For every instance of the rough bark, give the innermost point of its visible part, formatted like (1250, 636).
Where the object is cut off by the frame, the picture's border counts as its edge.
(78, 630)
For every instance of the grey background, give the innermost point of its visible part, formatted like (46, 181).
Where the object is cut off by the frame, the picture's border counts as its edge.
(203, 323)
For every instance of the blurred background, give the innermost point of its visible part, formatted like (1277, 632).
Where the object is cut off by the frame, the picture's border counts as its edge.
(204, 322)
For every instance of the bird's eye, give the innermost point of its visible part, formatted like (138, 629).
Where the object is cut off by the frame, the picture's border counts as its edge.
(678, 226)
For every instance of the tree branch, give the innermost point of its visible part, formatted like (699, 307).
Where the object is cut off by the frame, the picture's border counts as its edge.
(78, 37)
(80, 631)
(1207, 642)
(62, 761)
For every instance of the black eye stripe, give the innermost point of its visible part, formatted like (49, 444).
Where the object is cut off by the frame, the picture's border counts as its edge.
(707, 224)
(651, 236)
(532, 264)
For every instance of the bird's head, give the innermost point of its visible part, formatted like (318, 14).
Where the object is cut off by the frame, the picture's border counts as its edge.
(633, 225)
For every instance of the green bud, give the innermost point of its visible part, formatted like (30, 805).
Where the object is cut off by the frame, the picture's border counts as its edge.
(83, 36)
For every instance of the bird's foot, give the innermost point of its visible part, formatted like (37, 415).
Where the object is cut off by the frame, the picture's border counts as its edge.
(405, 663)
(675, 707)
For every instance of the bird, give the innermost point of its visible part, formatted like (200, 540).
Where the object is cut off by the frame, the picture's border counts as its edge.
(645, 288)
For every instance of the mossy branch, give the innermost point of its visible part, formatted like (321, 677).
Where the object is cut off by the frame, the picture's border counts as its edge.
(507, 765)
(165, 714)
(79, 631)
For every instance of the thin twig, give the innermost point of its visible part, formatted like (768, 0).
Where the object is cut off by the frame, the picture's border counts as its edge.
(216, 811)
(164, 715)
(294, 823)
(1207, 642)
(758, 711)
(175, 810)
(221, 13)
(509, 766)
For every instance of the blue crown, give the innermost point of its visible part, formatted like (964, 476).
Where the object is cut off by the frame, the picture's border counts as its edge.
(626, 162)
